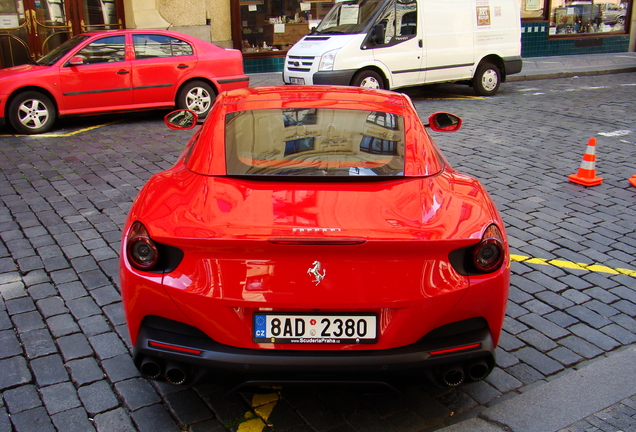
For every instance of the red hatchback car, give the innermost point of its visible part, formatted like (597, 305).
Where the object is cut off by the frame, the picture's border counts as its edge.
(313, 233)
(119, 70)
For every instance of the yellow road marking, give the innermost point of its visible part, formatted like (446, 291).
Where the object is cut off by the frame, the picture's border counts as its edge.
(573, 266)
(263, 405)
(45, 135)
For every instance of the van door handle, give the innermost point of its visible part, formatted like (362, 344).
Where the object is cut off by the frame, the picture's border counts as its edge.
(420, 43)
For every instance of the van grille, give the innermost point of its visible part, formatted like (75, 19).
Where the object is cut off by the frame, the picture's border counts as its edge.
(299, 63)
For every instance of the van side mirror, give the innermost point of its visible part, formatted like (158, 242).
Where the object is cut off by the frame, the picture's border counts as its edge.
(377, 34)
(444, 122)
(181, 119)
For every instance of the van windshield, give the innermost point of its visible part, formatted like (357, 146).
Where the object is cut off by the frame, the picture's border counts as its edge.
(350, 17)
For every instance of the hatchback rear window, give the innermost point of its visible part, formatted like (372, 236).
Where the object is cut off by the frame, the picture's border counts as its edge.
(314, 142)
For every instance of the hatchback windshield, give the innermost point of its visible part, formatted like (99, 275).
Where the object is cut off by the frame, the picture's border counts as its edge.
(314, 142)
(350, 17)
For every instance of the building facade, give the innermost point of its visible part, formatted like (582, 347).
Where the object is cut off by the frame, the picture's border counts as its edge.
(265, 29)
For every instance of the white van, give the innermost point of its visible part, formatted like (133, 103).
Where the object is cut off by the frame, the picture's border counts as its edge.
(390, 44)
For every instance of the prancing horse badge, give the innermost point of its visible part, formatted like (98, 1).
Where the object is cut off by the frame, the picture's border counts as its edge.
(315, 271)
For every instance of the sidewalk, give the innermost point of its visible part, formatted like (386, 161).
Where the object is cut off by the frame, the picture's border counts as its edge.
(598, 396)
(534, 68)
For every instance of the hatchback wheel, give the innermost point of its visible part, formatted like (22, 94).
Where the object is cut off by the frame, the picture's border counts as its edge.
(32, 113)
(197, 96)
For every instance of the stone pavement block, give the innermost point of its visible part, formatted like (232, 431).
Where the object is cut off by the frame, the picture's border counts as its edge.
(9, 343)
(366, 420)
(21, 398)
(93, 325)
(62, 325)
(19, 305)
(620, 334)
(97, 397)
(154, 419)
(83, 307)
(524, 373)
(565, 356)
(107, 345)
(106, 295)
(84, 371)
(49, 370)
(539, 361)
(116, 420)
(214, 426)
(5, 322)
(42, 290)
(546, 327)
(36, 419)
(74, 420)
(51, 306)
(59, 397)
(594, 336)
(588, 316)
(320, 417)
(38, 343)
(14, 372)
(537, 340)
(120, 368)
(137, 393)
(94, 279)
(188, 407)
(480, 391)
(72, 290)
(115, 313)
(227, 407)
(284, 417)
(74, 346)
(502, 381)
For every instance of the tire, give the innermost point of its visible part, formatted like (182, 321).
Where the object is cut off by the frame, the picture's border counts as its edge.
(620, 20)
(368, 79)
(31, 113)
(487, 79)
(197, 96)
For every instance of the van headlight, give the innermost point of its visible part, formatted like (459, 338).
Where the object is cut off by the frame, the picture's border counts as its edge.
(327, 59)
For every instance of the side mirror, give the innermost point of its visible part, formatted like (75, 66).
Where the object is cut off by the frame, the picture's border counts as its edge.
(181, 119)
(76, 61)
(444, 122)
(377, 34)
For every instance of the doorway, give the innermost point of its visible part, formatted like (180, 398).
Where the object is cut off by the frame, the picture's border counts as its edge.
(31, 28)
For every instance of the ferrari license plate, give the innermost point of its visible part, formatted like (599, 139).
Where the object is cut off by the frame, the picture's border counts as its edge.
(315, 328)
(299, 81)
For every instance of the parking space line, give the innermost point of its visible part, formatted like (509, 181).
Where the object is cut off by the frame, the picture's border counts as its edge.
(573, 266)
(68, 134)
(263, 405)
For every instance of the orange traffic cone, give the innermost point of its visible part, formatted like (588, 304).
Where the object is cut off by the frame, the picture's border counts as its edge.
(633, 180)
(587, 173)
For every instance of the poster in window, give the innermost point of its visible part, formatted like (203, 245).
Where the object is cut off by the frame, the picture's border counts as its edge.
(483, 15)
(534, 5)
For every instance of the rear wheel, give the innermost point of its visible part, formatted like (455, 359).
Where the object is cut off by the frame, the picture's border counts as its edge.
(32, 113)
(368, 79)
(487, 79)
(197, 96)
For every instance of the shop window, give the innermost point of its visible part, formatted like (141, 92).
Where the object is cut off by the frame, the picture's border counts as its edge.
(275, 25)
(532, 8)
(585, 16)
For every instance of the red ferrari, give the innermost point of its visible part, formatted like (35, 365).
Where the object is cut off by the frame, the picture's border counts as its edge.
(314, 233)
(119, 70)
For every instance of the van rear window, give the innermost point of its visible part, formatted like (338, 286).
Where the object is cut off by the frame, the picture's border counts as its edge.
(314, 142)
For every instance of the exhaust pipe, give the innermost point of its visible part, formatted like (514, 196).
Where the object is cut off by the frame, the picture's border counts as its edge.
(478, 370)
(149, 368)
(175, 374)
(453, 375)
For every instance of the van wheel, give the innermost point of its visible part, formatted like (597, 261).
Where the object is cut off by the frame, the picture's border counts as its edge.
(32, 113)
(197, 96)
(487, 79)
(368, 79)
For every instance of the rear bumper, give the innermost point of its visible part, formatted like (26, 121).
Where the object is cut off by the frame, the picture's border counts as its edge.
(512, 65)
(167, 342)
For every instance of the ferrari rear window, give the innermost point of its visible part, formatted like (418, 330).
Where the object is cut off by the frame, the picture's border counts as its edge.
(314, 142)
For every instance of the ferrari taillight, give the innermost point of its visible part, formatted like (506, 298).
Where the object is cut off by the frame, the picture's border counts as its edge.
(489, 254)
(141, 250)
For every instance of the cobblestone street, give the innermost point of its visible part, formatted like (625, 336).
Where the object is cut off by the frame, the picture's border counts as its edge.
(64, 197)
